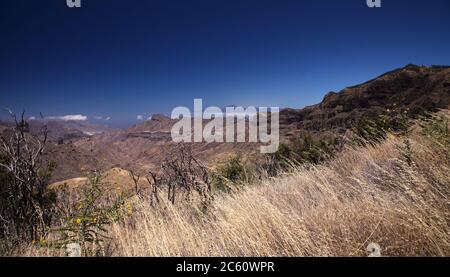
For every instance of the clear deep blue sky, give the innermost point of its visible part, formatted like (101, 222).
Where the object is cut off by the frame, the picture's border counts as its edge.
(121, 58)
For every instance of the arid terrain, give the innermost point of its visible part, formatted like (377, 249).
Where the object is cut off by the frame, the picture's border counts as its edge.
(372, 195)
(369, 164)
(83, 149)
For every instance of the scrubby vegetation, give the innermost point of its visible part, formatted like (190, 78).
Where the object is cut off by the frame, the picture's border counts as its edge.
(306, 150)
(26, 206)
(232, 173)
(314, 197)
(371, 130)
(84, 217)
(437, 127)
(364, 195)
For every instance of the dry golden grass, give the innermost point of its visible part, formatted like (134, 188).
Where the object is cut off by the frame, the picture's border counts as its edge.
(365, 195)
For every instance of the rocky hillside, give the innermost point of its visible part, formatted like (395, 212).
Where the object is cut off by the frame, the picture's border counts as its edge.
(145, 146)
(416, 88)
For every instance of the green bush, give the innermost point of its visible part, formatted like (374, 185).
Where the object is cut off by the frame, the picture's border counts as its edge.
(438, 129)
(234, 171)
(278, 162)
(371, 130)
(304, 150)
(314, 151)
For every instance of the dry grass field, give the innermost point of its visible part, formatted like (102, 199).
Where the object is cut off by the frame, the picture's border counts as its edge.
(365, 195)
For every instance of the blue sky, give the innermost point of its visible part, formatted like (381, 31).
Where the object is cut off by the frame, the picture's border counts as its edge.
(118, 59)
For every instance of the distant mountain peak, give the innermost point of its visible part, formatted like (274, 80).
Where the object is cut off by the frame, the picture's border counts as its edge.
(159, 117)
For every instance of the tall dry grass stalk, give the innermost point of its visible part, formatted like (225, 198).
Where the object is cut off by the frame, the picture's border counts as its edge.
(365, 195)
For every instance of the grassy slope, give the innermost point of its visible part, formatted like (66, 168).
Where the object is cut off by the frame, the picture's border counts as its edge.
(365, 195)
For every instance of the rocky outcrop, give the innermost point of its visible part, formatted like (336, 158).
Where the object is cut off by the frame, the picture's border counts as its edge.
(417, 89)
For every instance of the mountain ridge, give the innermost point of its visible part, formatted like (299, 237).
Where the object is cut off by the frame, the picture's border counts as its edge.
(416, 88)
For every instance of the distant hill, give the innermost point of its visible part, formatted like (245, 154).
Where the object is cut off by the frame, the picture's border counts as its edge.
(61, 131)
(68, 131)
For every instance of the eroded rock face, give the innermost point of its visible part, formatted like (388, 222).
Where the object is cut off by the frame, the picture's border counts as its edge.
(416, 88)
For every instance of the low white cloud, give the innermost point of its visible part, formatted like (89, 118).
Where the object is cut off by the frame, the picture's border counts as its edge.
(100, 117)
(71, 117)
(32, 118)
(140, 117)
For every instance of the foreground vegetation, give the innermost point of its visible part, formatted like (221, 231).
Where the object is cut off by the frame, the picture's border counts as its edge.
(393, 191)
(364, 196)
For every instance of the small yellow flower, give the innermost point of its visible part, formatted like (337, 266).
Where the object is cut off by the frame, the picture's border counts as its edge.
(130, 209)
(78, 221)
(42, 240)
